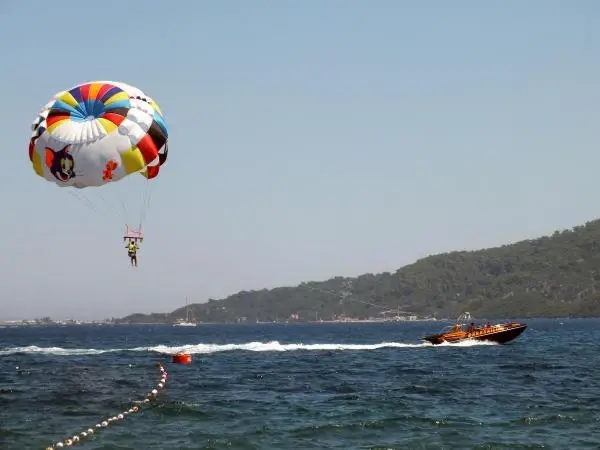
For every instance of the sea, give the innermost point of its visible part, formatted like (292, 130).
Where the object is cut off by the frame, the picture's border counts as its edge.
(299, 386)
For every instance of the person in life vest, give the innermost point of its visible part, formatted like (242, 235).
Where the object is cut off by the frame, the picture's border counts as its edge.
(132, 249)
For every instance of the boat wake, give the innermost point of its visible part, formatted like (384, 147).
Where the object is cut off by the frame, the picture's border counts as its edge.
(203, 349)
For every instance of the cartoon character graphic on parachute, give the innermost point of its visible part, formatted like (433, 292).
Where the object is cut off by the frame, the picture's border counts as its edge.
(60, 163)
(98, 133)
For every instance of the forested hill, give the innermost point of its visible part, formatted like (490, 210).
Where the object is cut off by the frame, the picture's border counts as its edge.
(552, 276)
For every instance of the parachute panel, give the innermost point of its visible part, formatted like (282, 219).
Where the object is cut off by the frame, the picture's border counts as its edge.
(37, 164)
(133, 161)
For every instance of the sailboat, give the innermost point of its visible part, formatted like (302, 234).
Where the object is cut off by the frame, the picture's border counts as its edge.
(185, 322)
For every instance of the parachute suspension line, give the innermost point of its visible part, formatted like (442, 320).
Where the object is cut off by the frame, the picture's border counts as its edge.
(85, 200)
(150, 396)
(109, 206)
(124, 208)
(145, 205)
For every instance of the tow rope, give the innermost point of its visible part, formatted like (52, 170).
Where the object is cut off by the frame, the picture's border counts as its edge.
(150, 396)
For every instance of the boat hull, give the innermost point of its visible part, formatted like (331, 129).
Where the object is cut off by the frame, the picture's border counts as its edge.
(501, 336)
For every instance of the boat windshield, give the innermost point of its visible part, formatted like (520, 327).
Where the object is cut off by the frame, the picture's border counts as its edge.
(452, 328)
(459, 325)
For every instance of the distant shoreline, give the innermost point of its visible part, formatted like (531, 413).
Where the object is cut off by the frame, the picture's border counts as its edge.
(13, 323)
(295, 322)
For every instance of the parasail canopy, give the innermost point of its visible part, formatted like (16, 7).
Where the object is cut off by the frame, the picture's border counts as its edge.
(98, 133)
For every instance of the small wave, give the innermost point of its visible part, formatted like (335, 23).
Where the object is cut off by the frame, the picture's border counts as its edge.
(55, 351)
(273, 346)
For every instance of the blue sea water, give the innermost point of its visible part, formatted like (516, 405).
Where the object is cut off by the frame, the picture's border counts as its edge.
(319, 386)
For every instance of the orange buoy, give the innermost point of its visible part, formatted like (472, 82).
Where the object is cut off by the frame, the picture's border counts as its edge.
(182, 358)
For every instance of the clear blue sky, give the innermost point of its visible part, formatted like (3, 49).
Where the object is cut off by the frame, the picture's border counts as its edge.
(307, 140)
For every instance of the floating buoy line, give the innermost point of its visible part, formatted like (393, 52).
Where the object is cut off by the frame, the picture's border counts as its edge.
(150, 396)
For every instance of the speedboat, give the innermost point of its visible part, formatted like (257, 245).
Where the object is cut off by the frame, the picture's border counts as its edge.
(460, 331)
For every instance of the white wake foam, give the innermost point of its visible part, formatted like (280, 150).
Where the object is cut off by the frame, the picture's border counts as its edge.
(58, 351)
(273, 346)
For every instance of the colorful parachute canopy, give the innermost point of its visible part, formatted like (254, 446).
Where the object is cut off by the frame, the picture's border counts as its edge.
(96, 133)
